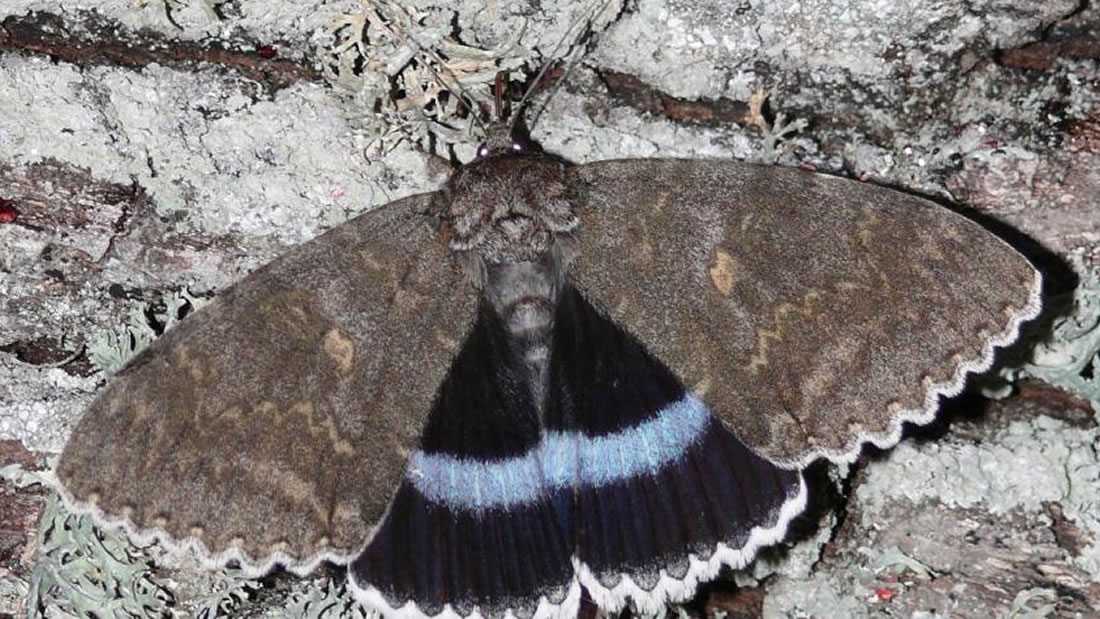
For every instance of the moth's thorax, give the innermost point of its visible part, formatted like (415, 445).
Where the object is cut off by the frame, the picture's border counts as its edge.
(509, 219)
(508, 207)
(525, 296)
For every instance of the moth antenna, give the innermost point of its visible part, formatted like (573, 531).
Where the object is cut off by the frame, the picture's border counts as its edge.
(499, 100)
(568, 67)
(470, 102)
(527, 95)
(585, 22)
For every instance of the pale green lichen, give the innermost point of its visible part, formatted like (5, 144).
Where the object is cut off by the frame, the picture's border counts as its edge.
(331, 601)
(226, 592)
(777, 132)
(1034, 603)
(1070, 357)
(83, 571)
(112, 349)
(896, 562)
(407, 66)
(13, 594)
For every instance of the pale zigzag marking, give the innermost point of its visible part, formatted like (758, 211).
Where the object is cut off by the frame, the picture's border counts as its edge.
(950, 388)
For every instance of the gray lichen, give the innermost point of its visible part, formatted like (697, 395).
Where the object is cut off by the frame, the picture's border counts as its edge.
(892, 559)
(388, 47)
(330, 601)
(84, 571)
(111, 349)
(1035, 603)
(1070, 357)
(226, 592)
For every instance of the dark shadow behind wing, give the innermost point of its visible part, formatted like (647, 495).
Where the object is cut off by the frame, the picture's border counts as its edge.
(274, 424)
(811, 313)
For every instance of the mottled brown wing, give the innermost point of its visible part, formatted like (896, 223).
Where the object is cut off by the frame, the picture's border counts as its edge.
(274, 424)
(812, 313)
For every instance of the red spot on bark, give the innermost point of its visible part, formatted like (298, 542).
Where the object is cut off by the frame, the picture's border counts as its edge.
(7, 212)
(885, 594)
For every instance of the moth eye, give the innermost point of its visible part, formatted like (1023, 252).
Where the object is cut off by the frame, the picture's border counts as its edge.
(516, 146)
(483, 151)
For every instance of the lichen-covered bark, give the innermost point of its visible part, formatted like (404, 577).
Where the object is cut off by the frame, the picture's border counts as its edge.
(989, 519)
(146, 146)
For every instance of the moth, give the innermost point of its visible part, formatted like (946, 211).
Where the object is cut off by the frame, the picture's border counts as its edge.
(548, 376)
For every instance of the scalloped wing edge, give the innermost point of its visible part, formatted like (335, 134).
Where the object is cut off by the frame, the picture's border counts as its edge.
(933, 392)
(668, 590)
(373, 599)
(249, 566)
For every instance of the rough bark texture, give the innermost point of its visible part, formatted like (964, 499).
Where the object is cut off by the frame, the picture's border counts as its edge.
(150, 146)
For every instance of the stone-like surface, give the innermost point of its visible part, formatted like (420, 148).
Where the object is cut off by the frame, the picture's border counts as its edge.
(129, 183)
(908, 94)
(866, 40)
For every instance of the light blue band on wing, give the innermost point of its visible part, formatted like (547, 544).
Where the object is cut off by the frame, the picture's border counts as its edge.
(562, 459)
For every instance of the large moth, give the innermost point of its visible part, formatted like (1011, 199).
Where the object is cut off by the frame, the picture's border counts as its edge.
(548, 376)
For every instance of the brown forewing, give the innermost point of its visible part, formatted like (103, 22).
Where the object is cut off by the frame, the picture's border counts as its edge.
(811, 313)
(278, 418)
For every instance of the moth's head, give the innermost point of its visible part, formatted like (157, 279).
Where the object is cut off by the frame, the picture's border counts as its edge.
(511, 206)
(502, 139)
